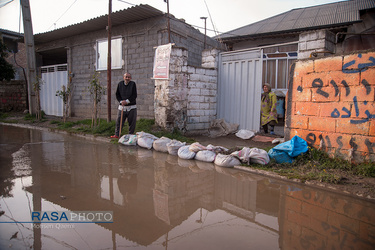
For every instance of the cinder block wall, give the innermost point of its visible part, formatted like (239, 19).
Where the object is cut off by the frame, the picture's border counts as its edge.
(330, 104)
(187, 101)
(13, 95)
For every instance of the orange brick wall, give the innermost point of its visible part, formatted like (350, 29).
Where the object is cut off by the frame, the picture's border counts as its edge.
(331, 104)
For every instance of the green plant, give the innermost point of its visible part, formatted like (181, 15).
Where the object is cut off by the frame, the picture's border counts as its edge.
(65, 95)
(96, 92)
(6, 69)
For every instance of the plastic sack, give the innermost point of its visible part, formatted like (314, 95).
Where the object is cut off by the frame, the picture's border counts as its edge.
(145, 140)
(160, 144)
(185, 153)
(259, 156)
(130, 140)
(286, 151)
(226, 161)
(216, 149)
(173, 146)
(196, 146)
(245, 134)
(205, 155)
(243, 154)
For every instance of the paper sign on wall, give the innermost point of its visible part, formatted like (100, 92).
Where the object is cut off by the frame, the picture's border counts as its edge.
(161, 62)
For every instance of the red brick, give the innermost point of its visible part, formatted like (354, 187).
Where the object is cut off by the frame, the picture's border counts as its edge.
(337, 140)
(297, 218)
(318, 78)
(360, 141)
(325, 94)
(301, 96)
(369, 76)
(315, 212)
(358, 59)
(328, 64)
(304, 67)
(367, 232)
(333, 108)
(300, 132)
(293, 204)
(307, 108)
(318, 239)
(343, 222)
(322, 124)
(344, 126)
(299, 122)
(372, 128)
(292, 228)
(359, 92)
(338, 77)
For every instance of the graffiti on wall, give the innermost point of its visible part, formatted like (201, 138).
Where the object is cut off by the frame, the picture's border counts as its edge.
(349, 97)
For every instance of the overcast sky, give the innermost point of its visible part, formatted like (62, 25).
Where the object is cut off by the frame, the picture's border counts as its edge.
(222, 15)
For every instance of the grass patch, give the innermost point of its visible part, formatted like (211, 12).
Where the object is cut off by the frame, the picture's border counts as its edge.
(318, 166)
(107, 129)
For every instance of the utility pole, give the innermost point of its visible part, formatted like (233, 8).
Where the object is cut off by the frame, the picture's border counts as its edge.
(30, 52)
(169, 22)
(109, 63)
(205, 30)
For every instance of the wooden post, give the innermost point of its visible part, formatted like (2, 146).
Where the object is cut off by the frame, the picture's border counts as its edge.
(30, 52)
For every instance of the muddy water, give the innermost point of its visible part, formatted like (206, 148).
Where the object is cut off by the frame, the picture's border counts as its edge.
(160, 201)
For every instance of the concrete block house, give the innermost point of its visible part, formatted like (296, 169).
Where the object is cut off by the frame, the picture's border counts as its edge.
(73, 54)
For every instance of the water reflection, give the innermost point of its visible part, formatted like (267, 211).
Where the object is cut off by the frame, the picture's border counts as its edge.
(161, 201)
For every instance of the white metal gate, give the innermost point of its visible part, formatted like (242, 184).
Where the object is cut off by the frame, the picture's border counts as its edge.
(54, 77)
(239, 88)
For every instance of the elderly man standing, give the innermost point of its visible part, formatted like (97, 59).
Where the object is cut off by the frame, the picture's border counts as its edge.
(126, 95)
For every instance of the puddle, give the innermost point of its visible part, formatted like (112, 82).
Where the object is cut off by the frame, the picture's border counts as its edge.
(160, 201)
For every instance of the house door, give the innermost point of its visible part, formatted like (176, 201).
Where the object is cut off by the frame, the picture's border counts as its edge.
(54, 77)
(239, 88)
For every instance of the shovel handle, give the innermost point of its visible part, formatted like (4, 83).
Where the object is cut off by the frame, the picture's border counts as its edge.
(122, 113)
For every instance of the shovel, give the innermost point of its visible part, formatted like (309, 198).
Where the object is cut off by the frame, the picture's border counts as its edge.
(122, 113)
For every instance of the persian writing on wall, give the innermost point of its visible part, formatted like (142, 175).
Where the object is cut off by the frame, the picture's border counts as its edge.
(331, 104)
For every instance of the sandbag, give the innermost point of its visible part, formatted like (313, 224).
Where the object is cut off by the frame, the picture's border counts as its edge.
(221, 128)
(196, 146)
(243, 154)
(145, 140)
(130, 140)
(226, 160)
(160, 144)
(216, 149)
(205, 155)
(185, 153)
(174, 145)
(245, 134)
(259, 156)
(287, 151)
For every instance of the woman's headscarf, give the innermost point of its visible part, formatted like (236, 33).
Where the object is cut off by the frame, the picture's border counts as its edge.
(265, 95)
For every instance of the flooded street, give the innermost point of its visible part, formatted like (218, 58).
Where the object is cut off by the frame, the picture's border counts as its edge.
(160, 201)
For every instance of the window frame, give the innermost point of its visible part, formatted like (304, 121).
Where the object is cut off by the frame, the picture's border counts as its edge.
(114, 64)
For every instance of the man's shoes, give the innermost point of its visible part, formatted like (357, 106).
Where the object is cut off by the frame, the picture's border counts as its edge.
(114, 136)
(272, 133)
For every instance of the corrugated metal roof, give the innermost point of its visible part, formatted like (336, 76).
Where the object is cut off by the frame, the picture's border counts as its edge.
(133, 14)
(334, 14)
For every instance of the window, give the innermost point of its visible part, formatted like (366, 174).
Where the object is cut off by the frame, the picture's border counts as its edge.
(102, 54)
(276, 64)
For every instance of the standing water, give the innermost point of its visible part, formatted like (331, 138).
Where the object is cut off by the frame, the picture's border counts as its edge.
(155, 200)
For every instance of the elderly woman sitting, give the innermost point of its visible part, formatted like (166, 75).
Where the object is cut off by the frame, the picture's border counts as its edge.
(268, 109)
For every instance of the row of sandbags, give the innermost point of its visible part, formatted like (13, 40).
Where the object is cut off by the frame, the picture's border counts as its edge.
(210, 153)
